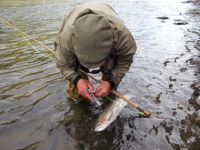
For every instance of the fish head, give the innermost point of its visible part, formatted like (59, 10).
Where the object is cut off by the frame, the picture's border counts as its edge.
(102, 125)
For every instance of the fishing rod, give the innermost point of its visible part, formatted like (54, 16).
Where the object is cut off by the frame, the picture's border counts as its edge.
(142, 112)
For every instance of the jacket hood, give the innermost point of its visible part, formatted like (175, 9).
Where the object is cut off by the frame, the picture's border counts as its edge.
(92, 39)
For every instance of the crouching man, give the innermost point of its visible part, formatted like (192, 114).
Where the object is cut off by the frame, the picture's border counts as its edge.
(93, 37)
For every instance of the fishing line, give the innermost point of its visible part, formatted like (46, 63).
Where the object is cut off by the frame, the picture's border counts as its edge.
(30, 44)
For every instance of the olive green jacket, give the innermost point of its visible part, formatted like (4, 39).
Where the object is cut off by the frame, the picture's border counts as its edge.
(122, 51)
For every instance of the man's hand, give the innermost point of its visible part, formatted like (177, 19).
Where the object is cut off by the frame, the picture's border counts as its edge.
(103, 89)
(83, 85)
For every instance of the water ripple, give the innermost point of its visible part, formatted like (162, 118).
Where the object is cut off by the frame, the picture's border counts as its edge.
(164, 76)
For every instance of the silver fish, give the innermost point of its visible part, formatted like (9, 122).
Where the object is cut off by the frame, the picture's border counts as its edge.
(110, 114)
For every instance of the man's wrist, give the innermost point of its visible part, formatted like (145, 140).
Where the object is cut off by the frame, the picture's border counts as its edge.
(77, 79)
(112, 83)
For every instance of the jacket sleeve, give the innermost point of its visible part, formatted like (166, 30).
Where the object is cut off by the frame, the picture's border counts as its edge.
(66, 60)
(125, 49)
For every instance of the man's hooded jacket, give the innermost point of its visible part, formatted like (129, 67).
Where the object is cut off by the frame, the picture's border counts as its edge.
(92, 35)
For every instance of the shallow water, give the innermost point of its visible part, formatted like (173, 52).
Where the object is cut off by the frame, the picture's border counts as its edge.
(165, 76)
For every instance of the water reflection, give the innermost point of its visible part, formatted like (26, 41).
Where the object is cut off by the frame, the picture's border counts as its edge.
(164, 77)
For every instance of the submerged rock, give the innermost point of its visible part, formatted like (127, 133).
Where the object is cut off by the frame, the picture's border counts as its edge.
(163, 17)
(171, 79)
(188, 1)
(180, 22)
(157, 99)
(166, 62)
(195, 98)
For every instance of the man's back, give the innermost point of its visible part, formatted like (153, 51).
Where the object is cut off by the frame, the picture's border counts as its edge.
(99, 8)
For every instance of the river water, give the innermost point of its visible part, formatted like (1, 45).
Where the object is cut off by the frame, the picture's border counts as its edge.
(35, 113)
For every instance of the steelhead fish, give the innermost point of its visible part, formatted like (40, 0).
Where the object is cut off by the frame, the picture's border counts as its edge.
(110, 114)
